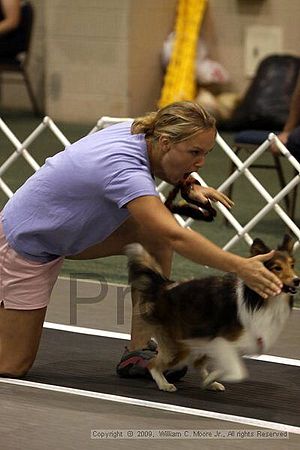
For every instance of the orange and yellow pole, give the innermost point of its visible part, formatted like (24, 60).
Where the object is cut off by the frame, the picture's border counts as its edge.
(180, 78)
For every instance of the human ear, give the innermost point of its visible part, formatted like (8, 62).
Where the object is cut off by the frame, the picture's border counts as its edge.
(164, 143)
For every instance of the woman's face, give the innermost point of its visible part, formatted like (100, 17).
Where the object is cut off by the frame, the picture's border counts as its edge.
(175, 160)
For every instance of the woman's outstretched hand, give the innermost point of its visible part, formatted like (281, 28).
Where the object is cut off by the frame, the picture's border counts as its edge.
(258, 277)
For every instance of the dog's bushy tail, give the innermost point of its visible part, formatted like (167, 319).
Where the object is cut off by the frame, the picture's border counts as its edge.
(145, 275)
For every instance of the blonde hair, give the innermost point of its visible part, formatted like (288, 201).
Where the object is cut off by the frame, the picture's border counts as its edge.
(178, 121)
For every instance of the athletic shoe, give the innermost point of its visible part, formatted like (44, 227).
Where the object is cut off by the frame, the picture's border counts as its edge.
(135, 364)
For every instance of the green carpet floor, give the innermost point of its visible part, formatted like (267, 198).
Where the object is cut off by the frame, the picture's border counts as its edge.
(247, 201)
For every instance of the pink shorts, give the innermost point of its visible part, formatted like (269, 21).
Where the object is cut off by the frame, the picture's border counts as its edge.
(25, 284)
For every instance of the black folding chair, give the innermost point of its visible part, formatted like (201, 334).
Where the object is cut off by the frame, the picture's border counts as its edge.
(19, 63)
(266, 107)
(266, 103)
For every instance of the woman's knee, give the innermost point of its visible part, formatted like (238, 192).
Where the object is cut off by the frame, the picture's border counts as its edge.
(19, 340)
(163, 254)
(14, 370)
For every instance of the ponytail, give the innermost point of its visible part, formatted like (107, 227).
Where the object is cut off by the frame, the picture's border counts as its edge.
(178, 121)
(145, 124)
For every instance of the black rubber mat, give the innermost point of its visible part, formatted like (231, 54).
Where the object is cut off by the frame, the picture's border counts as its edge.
(86, 362)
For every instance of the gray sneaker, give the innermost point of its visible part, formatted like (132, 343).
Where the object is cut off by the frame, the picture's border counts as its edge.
(135, 364)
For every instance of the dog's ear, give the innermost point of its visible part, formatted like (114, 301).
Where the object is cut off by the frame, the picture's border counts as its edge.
(258, 247)
(287, 244)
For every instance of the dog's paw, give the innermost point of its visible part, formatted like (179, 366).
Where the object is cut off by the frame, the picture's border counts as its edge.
(235, 376)
(215, 386)
(210, 379)
(168, 387)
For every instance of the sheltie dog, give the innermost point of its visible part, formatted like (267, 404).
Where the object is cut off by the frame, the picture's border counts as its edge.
(210, 322)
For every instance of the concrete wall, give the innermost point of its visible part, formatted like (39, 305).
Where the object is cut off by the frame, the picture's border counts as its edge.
(150, 21)
(103, 56)
(87, 58)
(96, 57)
(226, 23)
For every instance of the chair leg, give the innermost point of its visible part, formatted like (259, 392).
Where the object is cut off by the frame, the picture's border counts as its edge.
(35, 106)
(294, 200)
(232, 168)
(0, 87)
(229, 192)
(281, 178)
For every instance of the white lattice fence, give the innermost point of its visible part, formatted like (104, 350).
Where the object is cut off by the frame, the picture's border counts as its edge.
(242, 232)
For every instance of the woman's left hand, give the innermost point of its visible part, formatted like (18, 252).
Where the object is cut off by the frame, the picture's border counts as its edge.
(203, 194)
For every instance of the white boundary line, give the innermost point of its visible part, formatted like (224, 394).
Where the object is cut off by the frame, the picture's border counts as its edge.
(154, 405)
(89, 331)
(276, 360)
(88, 280)
(126, 337)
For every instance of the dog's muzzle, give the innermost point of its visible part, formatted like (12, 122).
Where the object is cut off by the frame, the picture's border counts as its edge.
(292, 289)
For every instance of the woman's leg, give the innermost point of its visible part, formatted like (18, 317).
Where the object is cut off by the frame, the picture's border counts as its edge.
(20, 330)
(128, 233)
(20, 333)
(25, 289)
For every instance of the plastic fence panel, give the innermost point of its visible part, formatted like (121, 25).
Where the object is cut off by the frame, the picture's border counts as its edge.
(242, 232)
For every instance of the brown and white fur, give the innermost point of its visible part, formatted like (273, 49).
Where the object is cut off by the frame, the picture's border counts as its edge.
(212, 321)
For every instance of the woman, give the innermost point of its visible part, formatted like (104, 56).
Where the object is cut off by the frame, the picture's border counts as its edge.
(91, 200)
(290, 135)
(12, 29)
